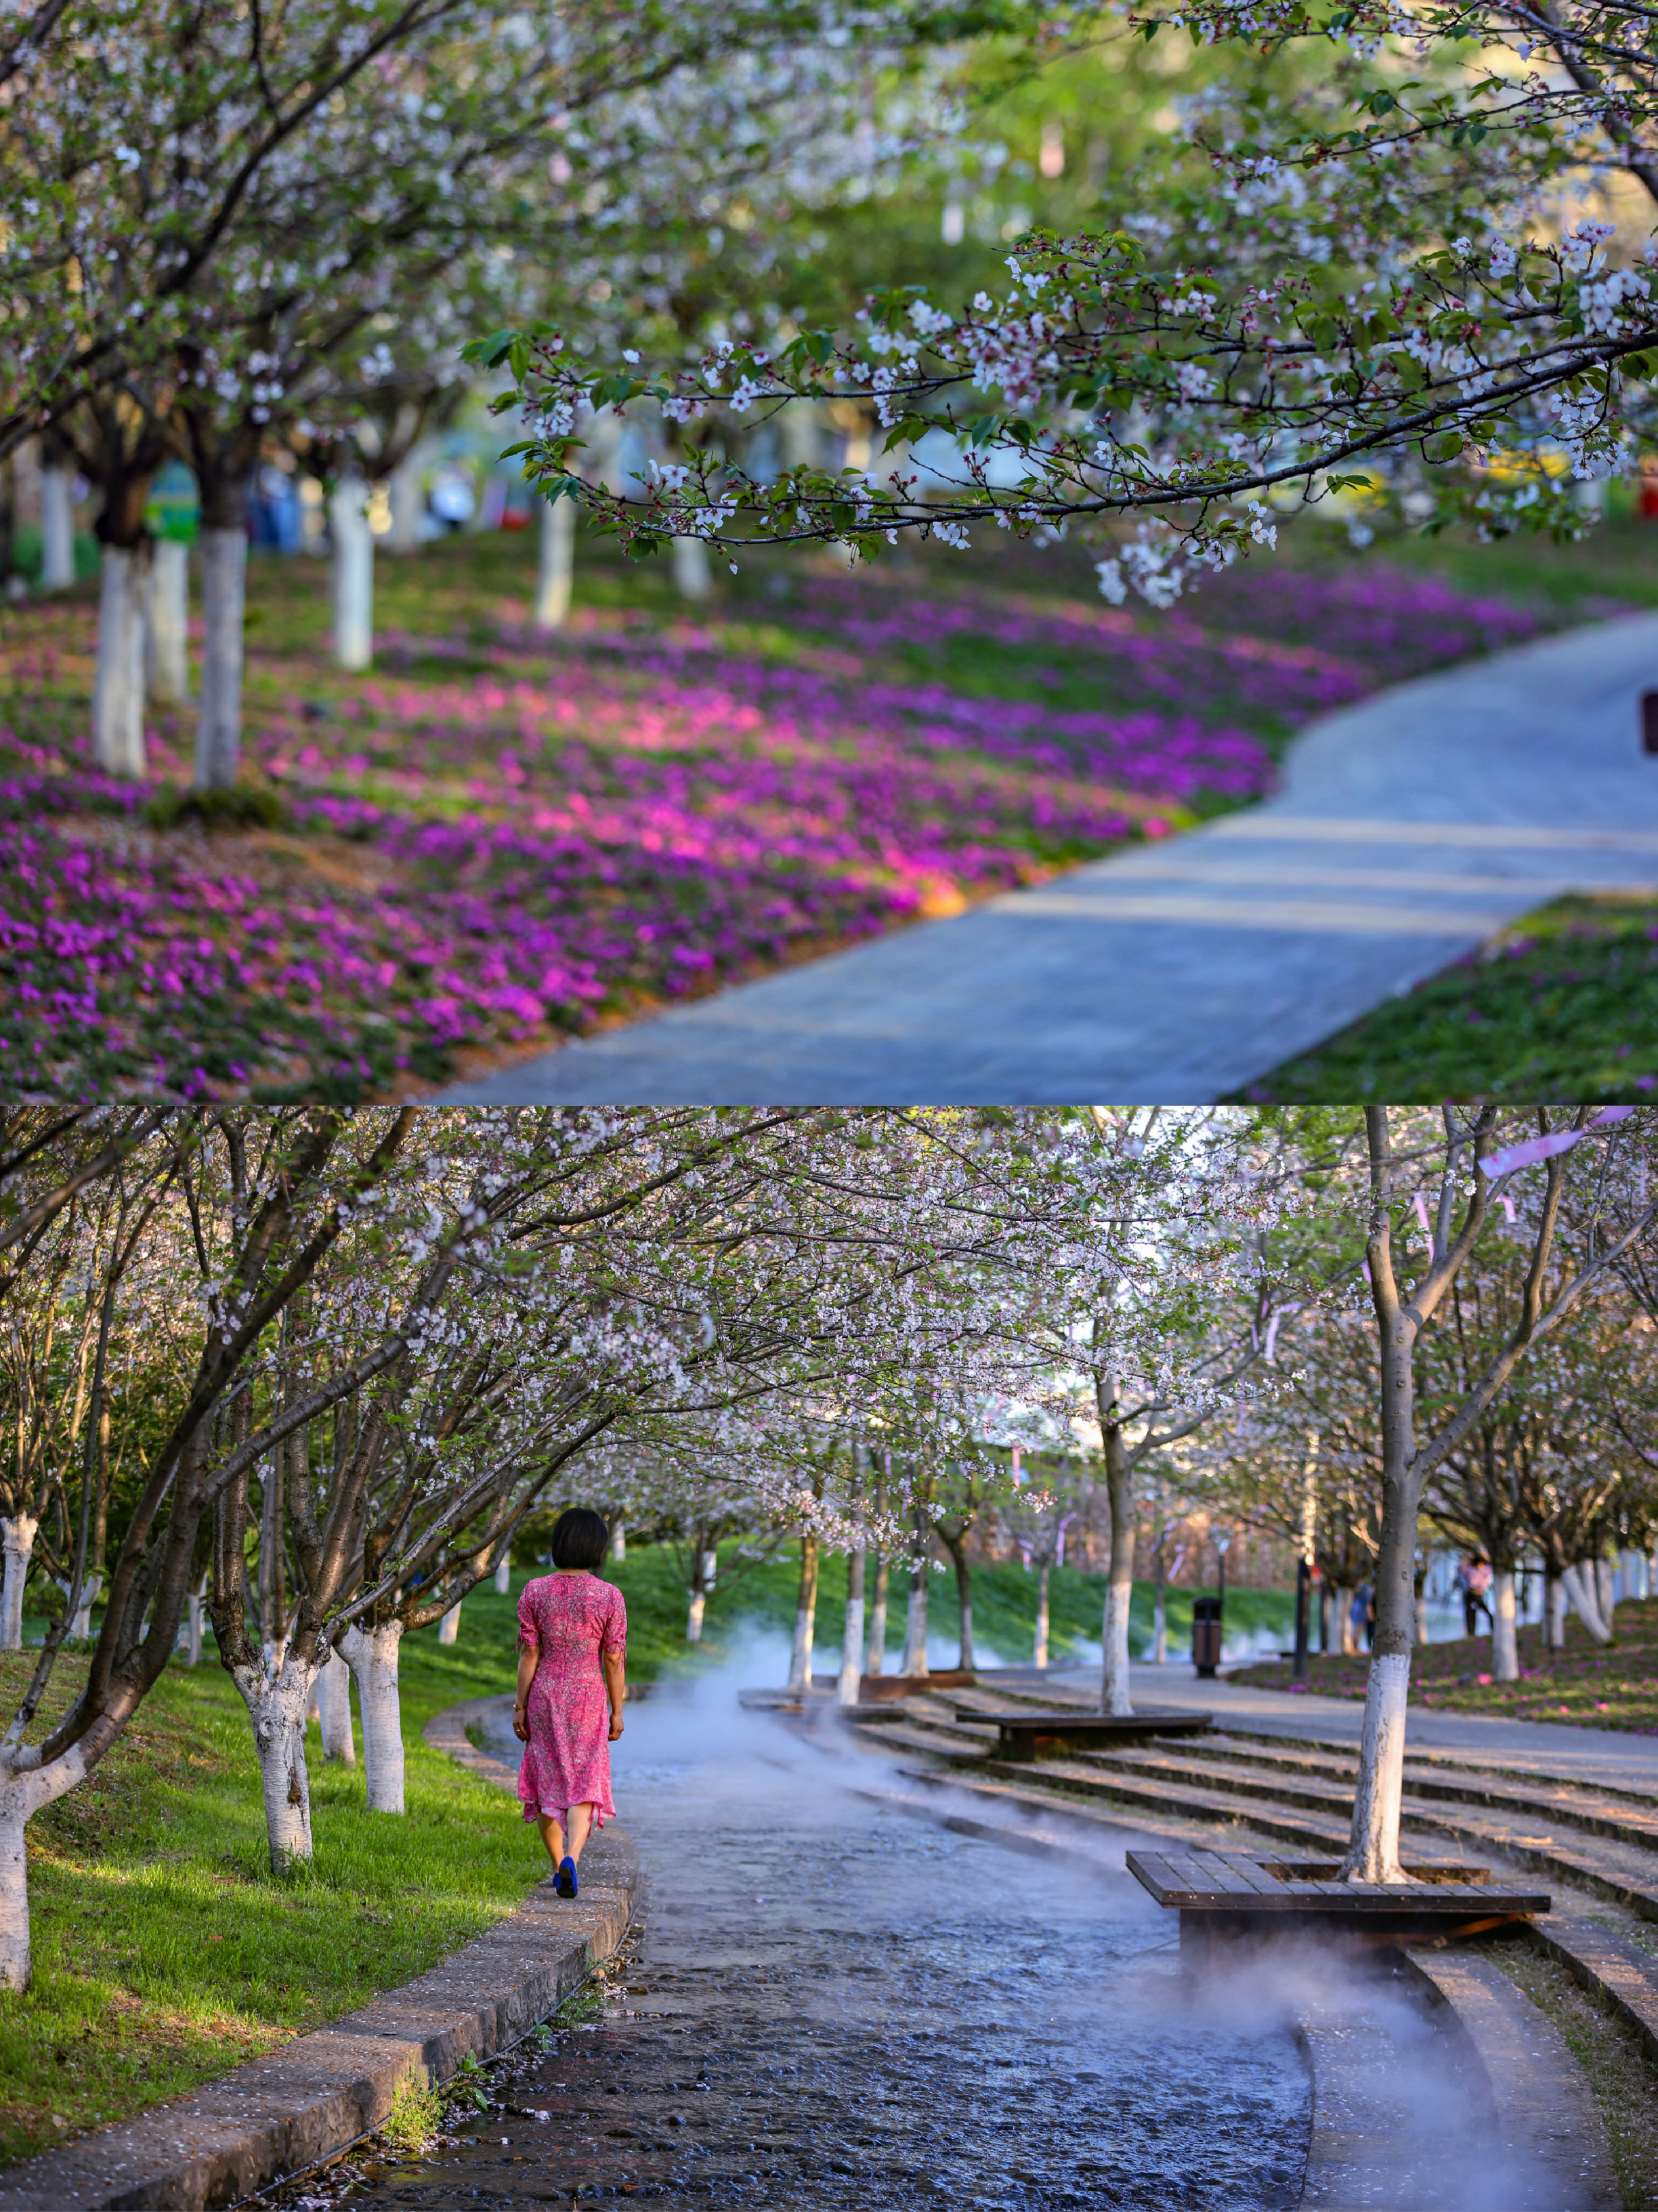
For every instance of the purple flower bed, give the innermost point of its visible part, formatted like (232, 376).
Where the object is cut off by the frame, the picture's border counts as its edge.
(552, 834)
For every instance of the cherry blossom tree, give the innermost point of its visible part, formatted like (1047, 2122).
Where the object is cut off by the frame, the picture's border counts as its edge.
(1368, 276)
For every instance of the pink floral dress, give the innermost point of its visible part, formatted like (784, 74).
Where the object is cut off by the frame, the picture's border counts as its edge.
(571, 1620)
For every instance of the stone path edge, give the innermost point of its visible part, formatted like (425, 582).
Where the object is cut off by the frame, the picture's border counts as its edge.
(279, 2115)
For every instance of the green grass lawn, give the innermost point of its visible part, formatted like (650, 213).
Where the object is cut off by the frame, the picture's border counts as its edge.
(1584, 1686)
(1562, 1005)
(165, 1952)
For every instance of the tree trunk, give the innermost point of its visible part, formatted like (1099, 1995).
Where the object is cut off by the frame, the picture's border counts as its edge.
(1505, 1648)
(56, 528)
(1554, 1611)
(81, 1626)
(690, 567)
(915, 1619)
(407, 504)
(1042, 1614)
(117, 696)
(956, 1547)
(852, 1643)
(1345, 1643)
(806, 1616)
(1605, 1590)
(168, 660)
(619, 1541)
(1120, 1589)
(276, 1705)
(504, 1575)
(372, 1656)
(219, 718)
(334, 1711)
(193, 1645)
(449, 1626)
(556, 564)
(877, 1615)
(694, 1617)
(1160, 1618)
(22, 1793)
(352, 574)
(1578, 1582)
(17, 1534)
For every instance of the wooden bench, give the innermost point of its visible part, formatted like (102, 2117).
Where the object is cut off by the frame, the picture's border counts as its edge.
(1223, 1895)
(1027, 1737)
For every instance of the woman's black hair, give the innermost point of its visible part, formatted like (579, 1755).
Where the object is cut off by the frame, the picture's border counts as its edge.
(581, 1539)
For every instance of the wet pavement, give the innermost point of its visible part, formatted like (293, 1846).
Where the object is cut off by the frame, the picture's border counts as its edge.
(827, 2004)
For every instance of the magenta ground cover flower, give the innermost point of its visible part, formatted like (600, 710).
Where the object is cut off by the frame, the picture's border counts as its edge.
(494, 839)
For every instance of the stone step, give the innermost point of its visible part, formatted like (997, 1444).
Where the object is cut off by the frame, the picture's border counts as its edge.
(1547, 2150)
(1622, 1817)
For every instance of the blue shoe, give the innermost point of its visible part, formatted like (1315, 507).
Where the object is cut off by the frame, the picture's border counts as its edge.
(566, 1878)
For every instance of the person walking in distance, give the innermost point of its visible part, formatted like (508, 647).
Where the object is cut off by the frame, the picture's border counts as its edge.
(572, 1663)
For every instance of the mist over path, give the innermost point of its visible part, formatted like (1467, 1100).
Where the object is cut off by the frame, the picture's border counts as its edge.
(829, 2005)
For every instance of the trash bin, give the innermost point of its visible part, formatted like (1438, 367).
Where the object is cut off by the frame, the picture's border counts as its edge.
(1205, 1636)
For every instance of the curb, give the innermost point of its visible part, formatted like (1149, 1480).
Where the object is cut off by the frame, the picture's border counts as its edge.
(302, 2105)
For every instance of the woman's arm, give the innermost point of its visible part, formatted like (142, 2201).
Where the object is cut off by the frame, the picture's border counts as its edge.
(616, 1677)
(528, 1658)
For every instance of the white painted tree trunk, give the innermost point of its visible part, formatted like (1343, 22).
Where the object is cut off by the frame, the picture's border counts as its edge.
(449, 1626)
(1605, 1590)
(168, 661)
(691, 579)
(407, 504)
(1554, 1612)
(1632, 1575)
(57, 530)
(118, 694)
(25, 1787)
(877, 1661)
(219, 718)
(1382, 1764)
(1578, 1583)
(805, 1617)
(1505, 1648)
(17, 1534)
(197, 1603)
(1114, 1694)
(619, 1541)
(504, 1575)
(699, 1607)
(353, 575)
(334, 1711)
(1160, 1629)
(1042, 1616)
(276, 1697)
(915, 1621)
(556, 566)
(849, 1683)
(1345, 1640)
(372, 1656)
(81, 1626)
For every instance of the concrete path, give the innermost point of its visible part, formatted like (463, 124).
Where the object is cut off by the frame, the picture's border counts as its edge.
(1408, 828)
(1609, 1757)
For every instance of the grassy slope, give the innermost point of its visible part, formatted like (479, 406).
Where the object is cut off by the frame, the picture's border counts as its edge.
(165, 1953)
(1564, 1003)
(1585, 1686)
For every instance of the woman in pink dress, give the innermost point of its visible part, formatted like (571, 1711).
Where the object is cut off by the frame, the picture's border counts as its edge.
(573, 1641)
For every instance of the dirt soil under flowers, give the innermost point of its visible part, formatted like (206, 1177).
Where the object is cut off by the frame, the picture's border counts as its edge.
(1588, 1685)
(494, 839)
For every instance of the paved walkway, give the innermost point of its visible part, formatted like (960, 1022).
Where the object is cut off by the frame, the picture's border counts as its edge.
(1408, 828)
